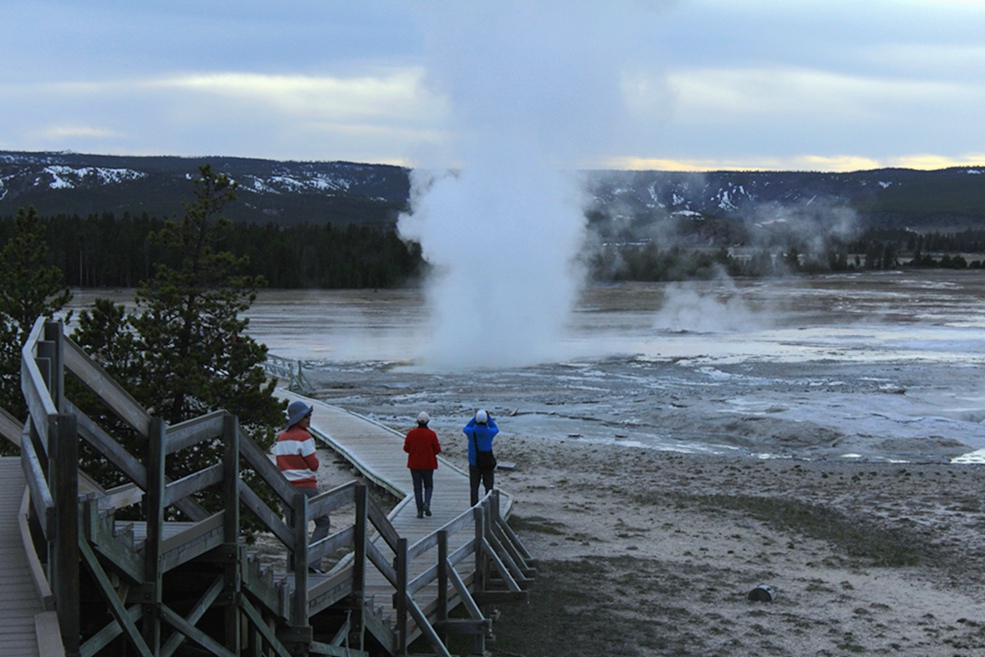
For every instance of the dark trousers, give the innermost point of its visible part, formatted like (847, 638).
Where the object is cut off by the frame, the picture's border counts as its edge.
(423, 487)
(475, 476)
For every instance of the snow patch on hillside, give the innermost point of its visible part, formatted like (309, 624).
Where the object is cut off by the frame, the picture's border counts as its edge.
(281, 184)
(65, 177)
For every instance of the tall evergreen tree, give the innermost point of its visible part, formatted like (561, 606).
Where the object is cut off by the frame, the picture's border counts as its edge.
(183, 351)
(29, 288)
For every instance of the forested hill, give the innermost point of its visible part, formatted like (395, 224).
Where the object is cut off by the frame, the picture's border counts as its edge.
(343, 193)
(285, 193)
(945, 199)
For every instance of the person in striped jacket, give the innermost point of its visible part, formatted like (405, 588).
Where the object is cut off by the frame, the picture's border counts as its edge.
(298, 462)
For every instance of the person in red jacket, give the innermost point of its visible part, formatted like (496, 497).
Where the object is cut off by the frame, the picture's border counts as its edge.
(297, 461)
(421, 445)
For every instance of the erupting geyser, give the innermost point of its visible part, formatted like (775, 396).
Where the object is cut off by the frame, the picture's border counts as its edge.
(533, 90)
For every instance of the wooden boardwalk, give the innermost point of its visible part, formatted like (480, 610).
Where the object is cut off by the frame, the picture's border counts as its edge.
(27, 627)
(377, 451)
(151, 585)
(20, 602)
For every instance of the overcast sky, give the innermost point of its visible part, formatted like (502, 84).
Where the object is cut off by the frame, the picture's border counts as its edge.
(702, 84)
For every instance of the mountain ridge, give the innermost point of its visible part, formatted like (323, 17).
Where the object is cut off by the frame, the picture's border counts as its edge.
(290, 192)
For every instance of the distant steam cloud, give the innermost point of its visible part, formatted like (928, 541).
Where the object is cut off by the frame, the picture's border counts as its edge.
(534, 89)
(707, 308)
(812, 223)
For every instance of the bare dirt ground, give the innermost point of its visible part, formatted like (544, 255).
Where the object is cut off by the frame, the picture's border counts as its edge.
(655, 553)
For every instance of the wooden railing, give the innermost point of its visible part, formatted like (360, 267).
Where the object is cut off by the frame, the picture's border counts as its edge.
(289, 370)
(76, 518)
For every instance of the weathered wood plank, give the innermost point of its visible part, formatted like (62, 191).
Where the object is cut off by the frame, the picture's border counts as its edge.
(110, 631)
(265, 468)
(106, 445)
(329, 590)
(185, 545)
(384, 527)
(381, 564)
(121, 497)
(265, 632)
(10, 427)
(36, 572)
(193, 431)
(193, 633)
(270, 519)
(193, 483)
(330, 544)
(330, 500)
(39, 403)
(96, 379)
(194, 615)
(41, 498)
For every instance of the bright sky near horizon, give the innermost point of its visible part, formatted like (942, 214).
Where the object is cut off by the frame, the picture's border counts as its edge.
(828, 85)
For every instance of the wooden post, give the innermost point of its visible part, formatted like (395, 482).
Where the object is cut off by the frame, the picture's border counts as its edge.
(479, 512)
(300, 547)
(494, 510)
(400, 595)
(357, 629)
(442, 582)
(54, 337)
(44, 359)
(230, 499)
(64, 478)
(154, 514)
(300, 634)
(479, 516)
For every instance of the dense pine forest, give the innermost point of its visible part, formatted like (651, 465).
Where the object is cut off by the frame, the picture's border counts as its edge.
(106, 251)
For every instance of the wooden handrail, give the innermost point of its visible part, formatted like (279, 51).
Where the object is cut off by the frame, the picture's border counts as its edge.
(112, 393)
(40, 406)
(193, 483)
(38, 578)
(453, 526)
(382, 524)
(326, 502)
(10, 427)
(191, 432)
(106, 445)
(377, 559)
(41, 499)
(267, 471)
(268, 518)
(341, 539)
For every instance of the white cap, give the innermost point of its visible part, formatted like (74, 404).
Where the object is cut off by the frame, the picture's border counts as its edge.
(481, 416)
(423, 417)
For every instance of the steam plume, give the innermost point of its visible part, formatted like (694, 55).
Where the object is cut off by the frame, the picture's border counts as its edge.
(533, 87)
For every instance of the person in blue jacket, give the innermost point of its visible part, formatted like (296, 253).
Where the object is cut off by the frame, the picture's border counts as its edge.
(480, 431)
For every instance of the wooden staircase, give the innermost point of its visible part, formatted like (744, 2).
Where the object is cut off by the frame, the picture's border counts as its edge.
(127, 579)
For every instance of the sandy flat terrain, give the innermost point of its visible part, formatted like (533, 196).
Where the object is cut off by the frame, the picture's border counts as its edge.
(655, 553)
(646, 552)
